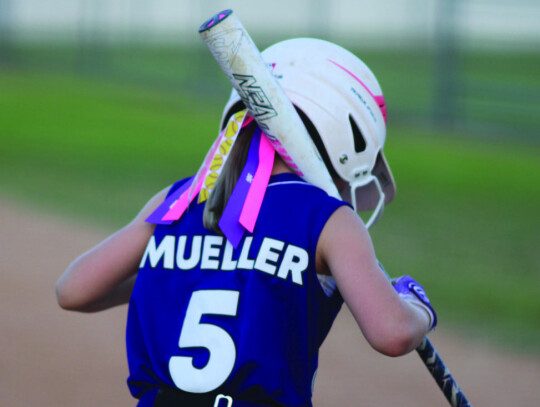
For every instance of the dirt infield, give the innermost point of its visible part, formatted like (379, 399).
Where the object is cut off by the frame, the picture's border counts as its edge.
(51, 358)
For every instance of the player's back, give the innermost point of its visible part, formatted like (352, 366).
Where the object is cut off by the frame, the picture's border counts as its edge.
(245, 322)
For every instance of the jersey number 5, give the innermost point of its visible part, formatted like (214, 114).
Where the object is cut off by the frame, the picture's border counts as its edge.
(212, 337)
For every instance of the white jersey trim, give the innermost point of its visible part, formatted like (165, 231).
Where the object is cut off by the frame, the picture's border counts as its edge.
(289, 183)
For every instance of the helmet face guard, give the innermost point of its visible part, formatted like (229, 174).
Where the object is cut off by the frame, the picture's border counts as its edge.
(356, 195)
(341, 103)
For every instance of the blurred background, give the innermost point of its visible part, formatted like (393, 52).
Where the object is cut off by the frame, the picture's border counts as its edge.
(104, 103)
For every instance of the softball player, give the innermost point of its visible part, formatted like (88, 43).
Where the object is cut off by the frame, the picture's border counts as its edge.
(232, 290)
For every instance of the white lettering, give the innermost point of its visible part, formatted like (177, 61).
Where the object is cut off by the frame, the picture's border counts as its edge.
(228, 263)
(267, 254)
(215, 253)
(165, 250)
(244, 262)
(295, 261)
(210, 252)
(189, 263)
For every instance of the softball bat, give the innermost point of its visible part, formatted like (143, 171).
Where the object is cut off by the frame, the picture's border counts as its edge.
(242, 63)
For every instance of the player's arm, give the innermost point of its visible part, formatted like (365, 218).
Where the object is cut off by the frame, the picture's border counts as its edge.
(104, 276)
(391, 325)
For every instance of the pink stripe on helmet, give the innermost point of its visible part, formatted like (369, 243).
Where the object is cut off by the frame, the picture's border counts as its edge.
(378, 99)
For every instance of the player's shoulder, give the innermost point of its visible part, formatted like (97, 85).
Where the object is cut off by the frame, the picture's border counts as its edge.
(299, 195)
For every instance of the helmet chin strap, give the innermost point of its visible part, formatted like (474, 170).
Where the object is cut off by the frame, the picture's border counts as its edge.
(377, 213)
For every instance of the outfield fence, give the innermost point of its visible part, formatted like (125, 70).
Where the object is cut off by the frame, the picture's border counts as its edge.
(450, 64)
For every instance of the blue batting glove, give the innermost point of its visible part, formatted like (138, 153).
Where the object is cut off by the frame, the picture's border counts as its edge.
(410, 290)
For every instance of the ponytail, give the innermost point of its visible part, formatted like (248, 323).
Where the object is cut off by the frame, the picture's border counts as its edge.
(227, 179)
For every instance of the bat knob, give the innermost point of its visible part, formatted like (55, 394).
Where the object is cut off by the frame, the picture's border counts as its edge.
(214, 20)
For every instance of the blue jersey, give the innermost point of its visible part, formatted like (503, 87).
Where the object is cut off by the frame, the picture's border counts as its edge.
(247, 322)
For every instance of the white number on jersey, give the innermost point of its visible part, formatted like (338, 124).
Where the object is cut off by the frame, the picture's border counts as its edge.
(212, 337)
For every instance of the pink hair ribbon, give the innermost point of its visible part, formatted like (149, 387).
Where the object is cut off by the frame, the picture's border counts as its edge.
(244, 204)
(157, 216)
(176, 211)
(255, 196)
(243, 207)
(177, 203)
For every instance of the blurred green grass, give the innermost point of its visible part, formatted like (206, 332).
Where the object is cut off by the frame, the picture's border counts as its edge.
(95, 147)
(495, 92)
(465, 222)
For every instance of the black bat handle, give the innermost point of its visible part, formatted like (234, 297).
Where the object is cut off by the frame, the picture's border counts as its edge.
(441, 374)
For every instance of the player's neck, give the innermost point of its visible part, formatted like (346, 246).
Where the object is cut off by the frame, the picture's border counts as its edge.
(279, 166)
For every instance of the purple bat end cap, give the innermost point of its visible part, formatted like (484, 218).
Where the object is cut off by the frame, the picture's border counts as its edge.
(222, 15)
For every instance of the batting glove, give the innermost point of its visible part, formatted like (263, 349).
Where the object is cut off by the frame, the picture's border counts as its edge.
(411, 291)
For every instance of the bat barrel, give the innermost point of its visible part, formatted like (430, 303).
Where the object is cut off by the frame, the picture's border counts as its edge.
(242, 63)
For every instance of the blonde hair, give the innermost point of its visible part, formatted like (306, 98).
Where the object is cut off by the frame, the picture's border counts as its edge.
(225, 183)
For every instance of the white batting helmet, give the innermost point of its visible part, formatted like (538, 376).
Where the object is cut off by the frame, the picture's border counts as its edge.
(341, 103)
